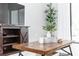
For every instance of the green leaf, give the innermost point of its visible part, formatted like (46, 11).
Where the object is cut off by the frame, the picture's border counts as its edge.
(50, 18)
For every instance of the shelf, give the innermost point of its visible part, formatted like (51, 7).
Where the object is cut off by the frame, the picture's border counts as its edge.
(10, 52)
(7, 44)
(10, 36)
(11, 27)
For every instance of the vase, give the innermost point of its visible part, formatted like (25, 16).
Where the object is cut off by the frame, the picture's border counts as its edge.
(50, 37)
(49, 34)
(41, 40)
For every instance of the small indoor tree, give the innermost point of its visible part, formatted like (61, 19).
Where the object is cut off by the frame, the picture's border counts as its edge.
(50, 25)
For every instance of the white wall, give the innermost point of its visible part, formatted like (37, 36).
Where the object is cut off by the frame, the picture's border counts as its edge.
(75, 21)
(35, 16)
(64, 21)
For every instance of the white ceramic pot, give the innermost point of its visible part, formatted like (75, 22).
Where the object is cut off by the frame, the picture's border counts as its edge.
(48, 34)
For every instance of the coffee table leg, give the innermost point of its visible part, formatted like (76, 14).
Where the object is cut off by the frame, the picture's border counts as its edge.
(70, 53)
(43, 55)
(70, 50)
(20, 54)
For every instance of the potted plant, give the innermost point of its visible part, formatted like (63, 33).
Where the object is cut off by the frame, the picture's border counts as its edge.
(50, 25)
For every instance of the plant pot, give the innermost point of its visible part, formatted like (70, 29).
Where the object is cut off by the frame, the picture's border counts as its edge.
(49, 34)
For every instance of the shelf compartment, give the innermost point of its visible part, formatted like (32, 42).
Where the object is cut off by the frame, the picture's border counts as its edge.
(8, 49)
(10, 52)
(11, 31)
(8, 44)
(11, 40)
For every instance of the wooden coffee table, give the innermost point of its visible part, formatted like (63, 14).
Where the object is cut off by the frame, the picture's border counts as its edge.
(43, 49)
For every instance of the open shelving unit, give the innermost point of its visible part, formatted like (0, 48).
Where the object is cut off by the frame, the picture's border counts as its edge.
(8, 36)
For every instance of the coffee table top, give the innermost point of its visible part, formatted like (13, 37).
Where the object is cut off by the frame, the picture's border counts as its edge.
(40, 48)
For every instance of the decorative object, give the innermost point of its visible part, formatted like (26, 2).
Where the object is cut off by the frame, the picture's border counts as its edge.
(50, 25)
(60, 41)
(41, 40)
(48, 34)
